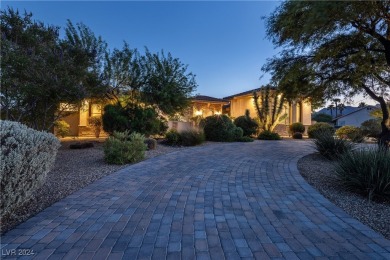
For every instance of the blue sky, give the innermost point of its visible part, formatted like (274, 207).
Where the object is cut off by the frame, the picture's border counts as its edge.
(223, 43)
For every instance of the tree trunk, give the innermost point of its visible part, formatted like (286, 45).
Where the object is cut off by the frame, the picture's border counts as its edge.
(384, 137)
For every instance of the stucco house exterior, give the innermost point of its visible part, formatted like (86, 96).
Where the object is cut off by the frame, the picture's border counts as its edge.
(355, 118)
(201, 106)
(297, 111)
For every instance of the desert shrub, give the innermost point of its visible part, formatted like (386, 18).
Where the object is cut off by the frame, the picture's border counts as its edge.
(297, 128)
(62, 128)
(172, 137)
(123, 147)
(366, 171)
(134, 118)
(322, 118)
(319, 128)
(83, 145)
(331, 147)
(191, 137)
(245, 139)
(268, 135)
(297, 136)
(247, 124)
(219, 128)
(151, 143)
(352, 133)
(371, 128)
(26, 156)
(95, 121)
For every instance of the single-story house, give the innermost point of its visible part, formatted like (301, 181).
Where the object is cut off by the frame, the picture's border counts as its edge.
(355, 118)
(201, 106)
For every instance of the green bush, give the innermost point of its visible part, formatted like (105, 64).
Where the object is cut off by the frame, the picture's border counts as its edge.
(245, 139)
(219, 128)
(173, 137)
(115, 119)
(322, 118)
(371, 128)
(134, 118)
(297, 136)
(297, 128)
(237, 133)
(62, 128)
(366, 171)
(268, 135)
(352, 133)
(331, 147)
(319, 128)
(26, 156)
(151, 143)
(191, 137)
(123, 147)
(248, 125)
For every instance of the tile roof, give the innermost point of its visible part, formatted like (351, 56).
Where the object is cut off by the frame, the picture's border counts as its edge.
(208, 99)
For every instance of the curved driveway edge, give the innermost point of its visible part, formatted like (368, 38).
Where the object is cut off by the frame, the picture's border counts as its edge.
(228, 200)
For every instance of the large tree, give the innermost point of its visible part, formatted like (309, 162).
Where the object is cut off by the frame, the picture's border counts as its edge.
(39, 71)
(167, 84)
(333, 48)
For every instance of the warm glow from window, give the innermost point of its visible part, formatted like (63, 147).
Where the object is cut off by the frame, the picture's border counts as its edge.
(218, 113)
(198, 112)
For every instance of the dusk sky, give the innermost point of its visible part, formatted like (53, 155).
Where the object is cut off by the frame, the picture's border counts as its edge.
(224, 43)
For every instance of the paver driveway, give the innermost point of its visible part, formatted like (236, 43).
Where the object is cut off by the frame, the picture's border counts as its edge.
(235, 200)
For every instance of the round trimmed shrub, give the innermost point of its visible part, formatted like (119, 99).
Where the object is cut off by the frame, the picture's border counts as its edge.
(297, 136)
(172, 137)
(245, 139)
(352, 133)
(26, 156)
(238, 133)
(317, 128)
(268, 135)
(248, 125)
(150, 143)
(371, 128)
(297, 128)
(191, 137)
(219, 128)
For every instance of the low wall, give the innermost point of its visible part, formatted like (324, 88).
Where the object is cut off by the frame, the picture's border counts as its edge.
(180, 126)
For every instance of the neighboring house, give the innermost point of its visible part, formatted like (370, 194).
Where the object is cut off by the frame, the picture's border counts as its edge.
(355, 118)
(299, 111)
(332, 112)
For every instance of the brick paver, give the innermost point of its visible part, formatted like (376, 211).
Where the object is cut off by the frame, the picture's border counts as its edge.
(228, 200)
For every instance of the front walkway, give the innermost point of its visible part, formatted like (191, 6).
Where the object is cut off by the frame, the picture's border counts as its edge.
(234, 200)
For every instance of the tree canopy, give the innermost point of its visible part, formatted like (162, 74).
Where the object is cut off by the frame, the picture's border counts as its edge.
(40, 72)
(332, 48)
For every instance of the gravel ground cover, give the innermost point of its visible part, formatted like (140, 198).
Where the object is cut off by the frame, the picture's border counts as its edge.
(318, 171)
(73, 170)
